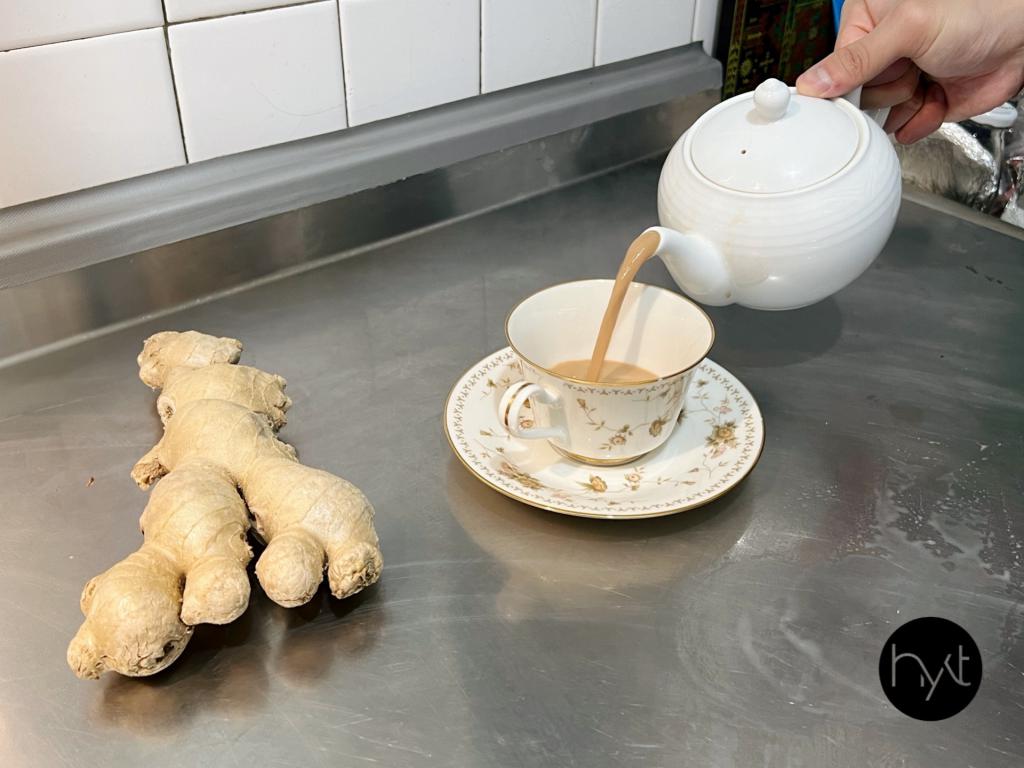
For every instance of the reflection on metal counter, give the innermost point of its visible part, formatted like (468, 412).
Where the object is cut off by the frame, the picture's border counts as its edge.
(744, 633)
(977, 162)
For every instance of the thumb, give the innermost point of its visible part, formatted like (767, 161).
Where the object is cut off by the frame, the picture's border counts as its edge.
(854, 64)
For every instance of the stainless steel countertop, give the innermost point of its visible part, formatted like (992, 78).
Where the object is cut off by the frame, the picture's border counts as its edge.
(745, 633)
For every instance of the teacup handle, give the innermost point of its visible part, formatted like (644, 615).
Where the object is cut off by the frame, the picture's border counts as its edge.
(512, 402)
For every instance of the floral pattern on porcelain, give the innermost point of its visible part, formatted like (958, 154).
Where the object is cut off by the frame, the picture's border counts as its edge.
(717, 442)
(595, 420)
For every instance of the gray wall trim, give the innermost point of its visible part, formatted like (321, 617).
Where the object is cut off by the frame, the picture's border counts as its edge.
(71, 231)
(65, 307)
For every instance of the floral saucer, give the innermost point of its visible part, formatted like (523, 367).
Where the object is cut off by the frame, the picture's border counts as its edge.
(716, 444)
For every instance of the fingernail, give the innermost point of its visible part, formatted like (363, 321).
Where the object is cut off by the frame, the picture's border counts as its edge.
(816, 81)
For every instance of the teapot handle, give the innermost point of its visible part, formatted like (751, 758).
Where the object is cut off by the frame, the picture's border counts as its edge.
(877, 115)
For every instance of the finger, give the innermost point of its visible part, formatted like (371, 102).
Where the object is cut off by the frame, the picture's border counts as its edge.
(928, 118)
(856, 63)
(977, 95)
(894, 71)
(855, 21)
(900, 114)
(891, 94)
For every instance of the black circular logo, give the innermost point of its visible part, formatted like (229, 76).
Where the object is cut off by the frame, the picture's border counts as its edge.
(930, 668)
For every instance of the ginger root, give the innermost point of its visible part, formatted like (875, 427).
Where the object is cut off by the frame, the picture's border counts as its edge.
(189, 570)
(191, 349)
(255, 389)
(309, 518)
(227, 414)
(220, 421)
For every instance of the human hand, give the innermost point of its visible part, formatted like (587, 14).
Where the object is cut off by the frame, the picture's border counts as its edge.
(930, 60)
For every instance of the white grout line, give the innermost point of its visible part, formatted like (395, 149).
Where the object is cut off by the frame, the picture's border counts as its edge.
(78, 39)
(165, 24)
(344, 74)
(337, 3)
(174, 84)
(278, 7)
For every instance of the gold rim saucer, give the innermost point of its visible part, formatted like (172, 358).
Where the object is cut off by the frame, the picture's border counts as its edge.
(731, 448)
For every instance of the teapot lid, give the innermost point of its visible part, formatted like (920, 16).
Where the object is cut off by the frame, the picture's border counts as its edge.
(774, 140)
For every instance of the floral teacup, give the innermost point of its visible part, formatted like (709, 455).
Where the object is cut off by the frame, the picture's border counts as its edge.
(601, 423)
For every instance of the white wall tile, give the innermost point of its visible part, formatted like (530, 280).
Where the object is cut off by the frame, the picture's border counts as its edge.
(705, 23)
(406, 55)
(528, 40)
(83, 113)
(629, 28)
(187, 10)
(35, 22)
(258, 79)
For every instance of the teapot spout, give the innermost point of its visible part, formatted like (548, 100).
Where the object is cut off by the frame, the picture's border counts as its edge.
(697, 266)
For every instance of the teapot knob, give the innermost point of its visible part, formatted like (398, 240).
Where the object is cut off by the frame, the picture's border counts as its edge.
(771, 99)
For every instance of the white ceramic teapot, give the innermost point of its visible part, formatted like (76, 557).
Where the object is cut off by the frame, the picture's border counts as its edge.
(775, 200)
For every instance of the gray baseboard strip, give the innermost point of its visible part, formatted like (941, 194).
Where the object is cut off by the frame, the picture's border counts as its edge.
(49, 237)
